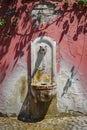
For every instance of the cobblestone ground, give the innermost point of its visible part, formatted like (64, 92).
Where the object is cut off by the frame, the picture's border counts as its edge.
(52, 123)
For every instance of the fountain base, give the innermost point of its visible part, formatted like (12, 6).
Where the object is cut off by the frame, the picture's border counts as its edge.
(44, 92)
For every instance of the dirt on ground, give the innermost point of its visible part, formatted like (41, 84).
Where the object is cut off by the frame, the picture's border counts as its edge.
(50, 123)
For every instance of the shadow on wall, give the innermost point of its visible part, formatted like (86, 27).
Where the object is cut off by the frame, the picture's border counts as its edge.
(10, 14)
(6, 33)
(8, 26)
(3, 69)
(76, 11)
(24, 112)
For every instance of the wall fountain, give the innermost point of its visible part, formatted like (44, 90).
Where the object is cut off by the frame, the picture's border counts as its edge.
(43, 87)
(43, 69)
(41, 96)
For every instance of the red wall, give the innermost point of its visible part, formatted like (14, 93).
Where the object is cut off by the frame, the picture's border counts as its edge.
(69, 30)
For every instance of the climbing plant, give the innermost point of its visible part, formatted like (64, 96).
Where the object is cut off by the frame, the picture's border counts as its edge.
(2, 22)
(82, 1)
(82, 4)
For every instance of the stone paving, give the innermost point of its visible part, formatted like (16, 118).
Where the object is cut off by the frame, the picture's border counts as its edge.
(50, 123)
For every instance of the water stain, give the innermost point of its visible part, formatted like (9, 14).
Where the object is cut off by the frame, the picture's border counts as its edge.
(41, 77)
(22, 85)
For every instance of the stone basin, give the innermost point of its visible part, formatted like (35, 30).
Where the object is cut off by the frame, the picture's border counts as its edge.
(44, 92)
